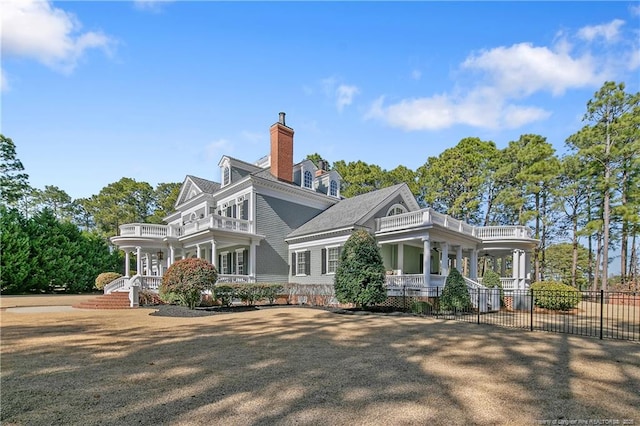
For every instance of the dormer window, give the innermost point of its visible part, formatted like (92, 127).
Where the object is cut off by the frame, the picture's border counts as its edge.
(308, 179)
(396, 209)
(226, 176)
(333, 188)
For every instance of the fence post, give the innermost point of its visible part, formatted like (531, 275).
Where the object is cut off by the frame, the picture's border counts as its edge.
(531, 310)
(601, 310)
(478, 303)
(404, 297)
(438, 301)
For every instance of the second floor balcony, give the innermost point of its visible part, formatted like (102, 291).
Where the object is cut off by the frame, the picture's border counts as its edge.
(212, 222)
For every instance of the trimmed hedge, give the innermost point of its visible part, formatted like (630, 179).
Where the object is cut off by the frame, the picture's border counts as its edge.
(187, 279)
(491, 279)
(248, 293)
(105, 278)
(555, 296)
(421, 307)
(455, 296)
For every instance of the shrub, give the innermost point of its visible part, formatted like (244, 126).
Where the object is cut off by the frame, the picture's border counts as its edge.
(360, 275)
(421, 307)
(146, 297)
(224, 293)
(187, 279)
(272, 291)
(105, 278)
(491, 279)
(455, 296)
(555, 296)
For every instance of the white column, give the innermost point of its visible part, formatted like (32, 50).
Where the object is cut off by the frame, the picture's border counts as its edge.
(127, 268)
(444, 262)
(171, 256)
(515, 265)
(473, 269)
(503, 265)
(214, 254)
(139, 260)
(198, 251)
(426, 260)
(459, 259)
(147, 258)
(523, 268)
(252, 259)
(401, 257)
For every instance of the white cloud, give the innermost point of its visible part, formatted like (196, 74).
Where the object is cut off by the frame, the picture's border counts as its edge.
(416, 74)
(37, 30)
(150, 5)
(345, 95)
(634, 10)
(609, 32)
(523, 69)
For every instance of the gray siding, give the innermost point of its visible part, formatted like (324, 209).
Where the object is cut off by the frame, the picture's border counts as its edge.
(275, 219)
(237, 174)
(316, 276)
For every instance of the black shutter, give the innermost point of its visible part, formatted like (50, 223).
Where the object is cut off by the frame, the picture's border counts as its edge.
(234, 257)
(245, 210)
(324, 261)
(229, 264)
(293, 264)
(307, 263)
(422, 263)
(229, 211)
(245, 261)
(235, 211)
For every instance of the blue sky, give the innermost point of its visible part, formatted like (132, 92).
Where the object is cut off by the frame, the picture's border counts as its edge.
(96, 91)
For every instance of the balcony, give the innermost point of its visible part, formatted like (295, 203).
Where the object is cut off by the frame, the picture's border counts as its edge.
(213, 222)
(429, 217)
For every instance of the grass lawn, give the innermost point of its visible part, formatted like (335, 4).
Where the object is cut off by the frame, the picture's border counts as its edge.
(304, 366)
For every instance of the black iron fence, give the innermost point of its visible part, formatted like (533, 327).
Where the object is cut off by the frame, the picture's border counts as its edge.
(605, 315)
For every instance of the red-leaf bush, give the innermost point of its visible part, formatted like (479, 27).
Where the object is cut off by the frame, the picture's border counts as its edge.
(105, 278)
(187, 279)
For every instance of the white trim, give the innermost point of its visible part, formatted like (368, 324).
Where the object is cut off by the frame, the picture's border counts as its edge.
(319, 243)
(297, 252)
(327, 259)
(397, 206)
(317, 234)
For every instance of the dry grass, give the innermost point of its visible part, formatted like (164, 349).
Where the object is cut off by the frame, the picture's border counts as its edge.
(303, 366)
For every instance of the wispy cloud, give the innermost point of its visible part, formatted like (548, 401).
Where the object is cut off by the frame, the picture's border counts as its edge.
(416, 74)
(151, 5)
(4, 84)
(216, 149)
(502, 79)
(609, 32)
(342, 94)
(36, 29)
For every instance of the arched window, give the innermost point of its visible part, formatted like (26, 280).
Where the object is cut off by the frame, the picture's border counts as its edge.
(226, 176)
(308, 179)
(333, 188)
(396, 209)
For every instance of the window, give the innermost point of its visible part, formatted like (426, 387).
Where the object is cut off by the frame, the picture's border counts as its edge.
(396, 209)
(301, 263)
(240, 262)
(226, 176)
(332, 259)
(308, 179)
(224, 265)
(333, 188)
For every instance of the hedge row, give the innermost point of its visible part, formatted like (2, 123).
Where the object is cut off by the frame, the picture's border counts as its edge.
(248, 293)
(553, 295)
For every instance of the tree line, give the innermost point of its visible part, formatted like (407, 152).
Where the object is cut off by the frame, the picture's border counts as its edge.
(581, 205)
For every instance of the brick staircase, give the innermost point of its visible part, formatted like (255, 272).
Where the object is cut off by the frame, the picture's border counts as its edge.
(115, 300)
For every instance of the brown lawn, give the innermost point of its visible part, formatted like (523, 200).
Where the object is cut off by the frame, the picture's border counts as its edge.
(302, 366)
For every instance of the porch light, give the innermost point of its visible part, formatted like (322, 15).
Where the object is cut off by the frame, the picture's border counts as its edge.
(160, 255)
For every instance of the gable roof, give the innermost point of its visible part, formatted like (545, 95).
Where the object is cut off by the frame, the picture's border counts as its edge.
(347, 212)
(202, 185)
(205, 185)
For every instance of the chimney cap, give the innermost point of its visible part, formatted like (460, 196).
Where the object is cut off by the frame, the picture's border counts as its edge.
(281, 118)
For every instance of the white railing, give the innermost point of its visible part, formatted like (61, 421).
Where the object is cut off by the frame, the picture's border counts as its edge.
(502, 232)
(151, 282)
(228, 278)
(411, 280)
(431, 217)
(160, 231)
(117, 284)
(472, 284)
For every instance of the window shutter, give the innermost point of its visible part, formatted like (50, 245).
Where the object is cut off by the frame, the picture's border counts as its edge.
(245, 210)
(324, 261)
(235, 211)
(229, 211)
(234, 266)
(293, 264)
(229, 264)
(307, 263)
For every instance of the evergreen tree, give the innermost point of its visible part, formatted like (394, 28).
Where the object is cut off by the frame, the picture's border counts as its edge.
(13, 181)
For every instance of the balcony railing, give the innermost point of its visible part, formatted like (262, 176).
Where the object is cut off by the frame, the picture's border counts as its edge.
(161, 231)
(430, 217)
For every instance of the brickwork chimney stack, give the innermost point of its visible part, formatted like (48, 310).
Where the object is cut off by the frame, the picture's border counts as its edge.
(282, 150)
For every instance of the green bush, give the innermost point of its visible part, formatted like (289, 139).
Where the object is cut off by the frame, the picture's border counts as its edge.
(555, 296)
(421, 307)
(270, 292)
(455, 296)
(491, 279)
(248, 293)
(224, 293)
(146, 297)
(360, 275)
(187, 279)
(105, 278)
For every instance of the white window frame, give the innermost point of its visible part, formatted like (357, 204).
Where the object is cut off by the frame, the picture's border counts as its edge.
(333, 187)
(240, 262)
(308, 173)
(300, 255)
(226, 175)
(391, 210)
(337, 260)
(224, 262)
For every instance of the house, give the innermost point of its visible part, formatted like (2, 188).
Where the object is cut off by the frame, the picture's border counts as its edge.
(279, 221)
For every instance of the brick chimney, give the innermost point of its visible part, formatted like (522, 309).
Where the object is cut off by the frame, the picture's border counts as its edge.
(282, 150)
